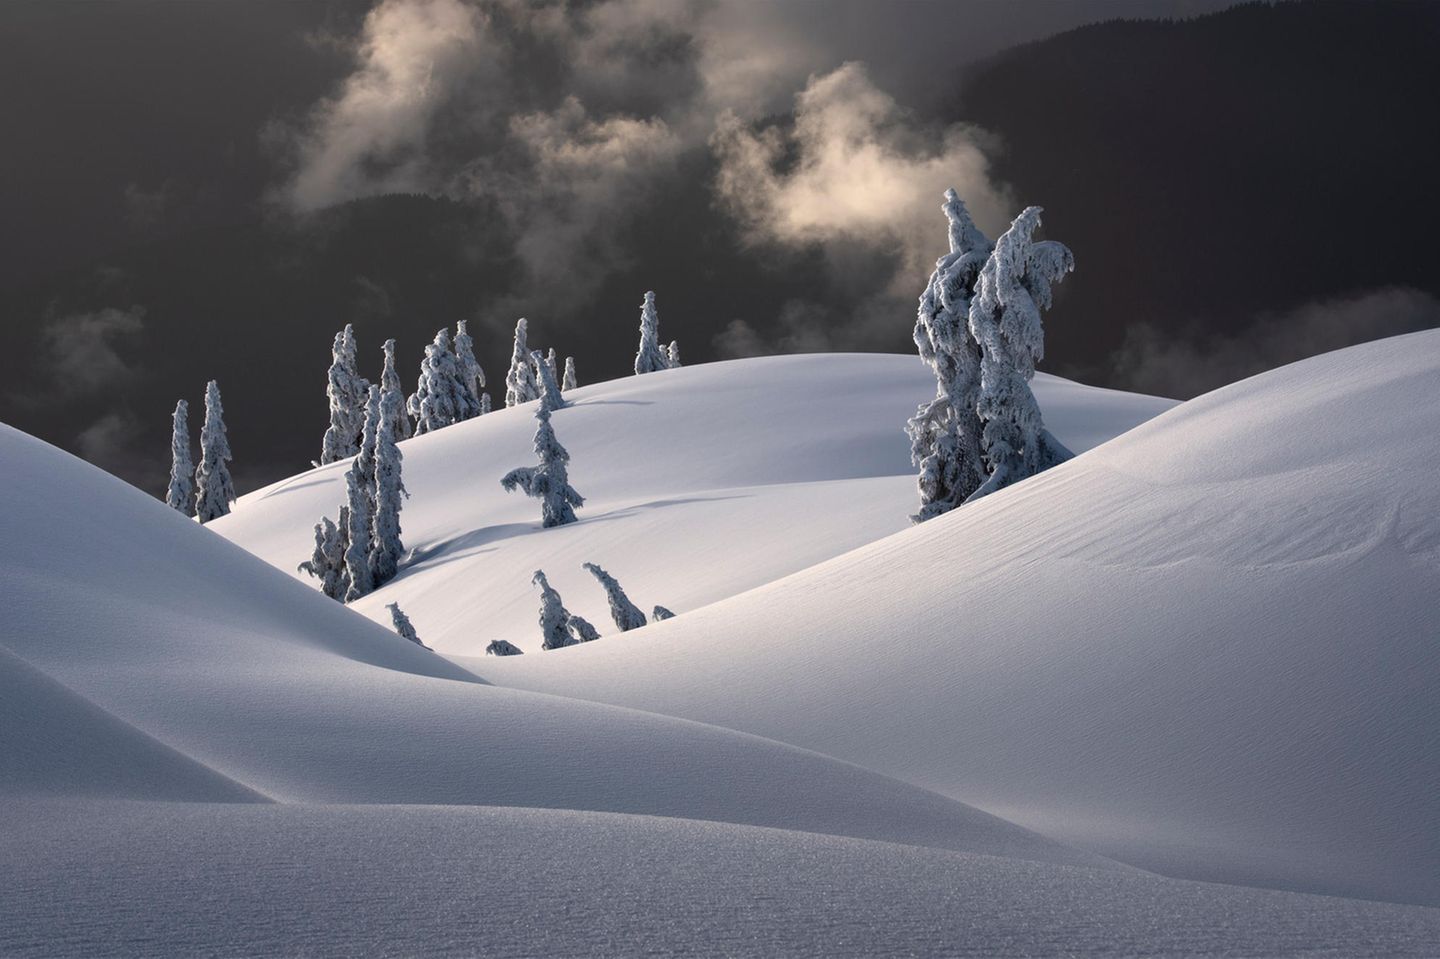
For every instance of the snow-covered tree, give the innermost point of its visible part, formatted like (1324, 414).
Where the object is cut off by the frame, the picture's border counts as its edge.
(1005, 320)
(553, 364)
(181, 494)
(502, 647)
(520, 385)
(550, 481)
(365, 459)
(358, 537)
(213, 490)
(651, 356)
(554, 617)
(403, 625)
(581, 630)
(661, 613)
(626, 614)
(484, 403)
(945, 432)
(327, 563)
(550, 397)
(441, 397)
(390, 383)
(472, 377)
(346, 390)
(386, 547)
(672, 355)
(569, 383)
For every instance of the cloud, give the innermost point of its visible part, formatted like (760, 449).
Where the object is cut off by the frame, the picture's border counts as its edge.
(1183, 366)
(855, 168)
(80, 352)
(115, 443)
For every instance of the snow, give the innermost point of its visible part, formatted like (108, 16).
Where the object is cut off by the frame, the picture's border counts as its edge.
(161, 631)
(1207, 648)
(477, 881)
(692, 492)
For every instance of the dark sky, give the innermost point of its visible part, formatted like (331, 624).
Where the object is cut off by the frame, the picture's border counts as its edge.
(191, 189)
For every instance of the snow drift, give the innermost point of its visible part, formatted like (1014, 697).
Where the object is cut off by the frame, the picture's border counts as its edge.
(1207, 647)
(700, 483)
(162, 633)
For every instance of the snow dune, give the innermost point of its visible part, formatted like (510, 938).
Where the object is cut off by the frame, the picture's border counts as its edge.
(1208, 647)
(701, 483)
(161, 632)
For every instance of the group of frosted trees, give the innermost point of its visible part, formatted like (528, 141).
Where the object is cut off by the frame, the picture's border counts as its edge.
(211, 492)
(979, 329)
(560, 628)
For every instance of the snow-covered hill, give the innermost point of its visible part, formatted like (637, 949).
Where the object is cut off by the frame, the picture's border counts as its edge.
(701, 482)
(1210, 647)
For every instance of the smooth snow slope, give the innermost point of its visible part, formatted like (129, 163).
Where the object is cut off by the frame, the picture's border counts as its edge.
(194, 643)
(700, 482)
(1210, 647)
(279, 880)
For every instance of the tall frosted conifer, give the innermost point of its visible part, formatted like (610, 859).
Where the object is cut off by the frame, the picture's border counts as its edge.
(442, 396)
(554, 617)
(327, 562)
(365, 459)
(346, 390)
(1005, 320)
(672, 355)
(390, 382)
(386, 547)
(650, 356)
(213, 490)
(550, 397)
(550, 481)
(569, 382)
(181, 494)
(945, 432)
(472, 377)
(358, 537)
(626, 614)
(520, 384)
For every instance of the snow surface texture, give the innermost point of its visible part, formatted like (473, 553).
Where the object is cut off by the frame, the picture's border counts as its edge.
(693, 492)
(1208, 647)
(406, 881)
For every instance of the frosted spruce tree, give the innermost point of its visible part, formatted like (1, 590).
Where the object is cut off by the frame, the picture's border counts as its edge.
(346, 391)
(550, 397)
(403, 626)
(327, 562)
(390, 382)
(484, 403)
(520, 385)
(580, 629)
(945, 432)
(385, 545)
(181, 494)
(672, 355)
(553, 363)
(554, 617)
(569, 383)
(365, 459)
(472, 377)
(550, 481)
(1005, 320)
(503, 647)
(441, 398)
(213, 490)
(650, 356)
(358, 537)
(626, 614)
(661, 613)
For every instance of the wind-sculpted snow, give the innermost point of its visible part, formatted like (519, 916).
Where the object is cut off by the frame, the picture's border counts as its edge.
(161, 632)
(1208, 647)
(448, 881)
(699, 482)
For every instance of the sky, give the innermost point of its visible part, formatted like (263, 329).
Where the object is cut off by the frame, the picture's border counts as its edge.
(773, 169)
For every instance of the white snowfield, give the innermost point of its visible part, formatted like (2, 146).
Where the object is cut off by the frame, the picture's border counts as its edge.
(1207, 647)
(700, 483)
